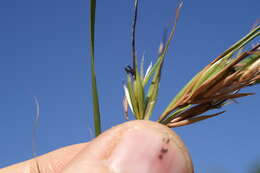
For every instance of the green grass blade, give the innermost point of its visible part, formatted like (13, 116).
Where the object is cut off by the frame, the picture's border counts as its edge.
(139, 94)
(132, 96)
(96, 116)
(142, 68)
(153, 92)
(250, 36)
(151, 71)
(151, 98)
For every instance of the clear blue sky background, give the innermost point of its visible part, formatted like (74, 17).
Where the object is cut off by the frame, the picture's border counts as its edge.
(44, 52)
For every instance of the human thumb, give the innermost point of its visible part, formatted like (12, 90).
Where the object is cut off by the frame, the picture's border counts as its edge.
(133, 147)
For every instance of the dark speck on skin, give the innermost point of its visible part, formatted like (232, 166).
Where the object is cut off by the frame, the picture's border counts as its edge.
(160, 156)
(164, 150)
(166, 140)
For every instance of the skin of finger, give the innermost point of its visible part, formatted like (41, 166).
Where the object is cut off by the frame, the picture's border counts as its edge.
(96, 154)
(51, 162)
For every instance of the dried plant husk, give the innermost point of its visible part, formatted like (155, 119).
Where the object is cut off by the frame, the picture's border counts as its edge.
(216, 85)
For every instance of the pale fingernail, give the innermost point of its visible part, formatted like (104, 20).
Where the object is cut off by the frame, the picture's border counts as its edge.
(147, 151)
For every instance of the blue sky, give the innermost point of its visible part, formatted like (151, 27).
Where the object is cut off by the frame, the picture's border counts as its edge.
(44, 52)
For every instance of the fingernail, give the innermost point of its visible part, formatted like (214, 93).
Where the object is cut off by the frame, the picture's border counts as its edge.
(147, 151)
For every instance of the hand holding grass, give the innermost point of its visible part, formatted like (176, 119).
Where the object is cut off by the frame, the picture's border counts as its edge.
(143, 146)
